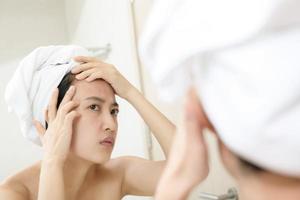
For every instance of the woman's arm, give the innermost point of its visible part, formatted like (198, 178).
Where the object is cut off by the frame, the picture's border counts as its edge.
(51, 185)
(161, 127)
(92, 69)
(56, 142)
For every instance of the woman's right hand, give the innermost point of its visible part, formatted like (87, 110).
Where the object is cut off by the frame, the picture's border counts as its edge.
(56, 139)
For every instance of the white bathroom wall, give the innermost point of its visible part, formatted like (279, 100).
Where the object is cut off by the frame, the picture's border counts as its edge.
(27, 24)
(24, 26)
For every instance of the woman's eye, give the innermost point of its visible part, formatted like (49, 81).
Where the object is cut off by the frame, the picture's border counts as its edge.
(115, 112)
(94, 107)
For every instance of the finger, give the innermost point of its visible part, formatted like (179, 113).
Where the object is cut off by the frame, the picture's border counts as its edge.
(193, 117)
(39, 127)
(85, 59)
(85, 74)
(199, 110)
(96, 75)
(194, 126)
(67, 108)
(68, 96)
(193, 130)
(52, 106)
(193, 123)
(83, 67)
(69, 119)
(67, 135)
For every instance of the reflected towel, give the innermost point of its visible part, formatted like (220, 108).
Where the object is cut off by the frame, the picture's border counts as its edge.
(38, 74)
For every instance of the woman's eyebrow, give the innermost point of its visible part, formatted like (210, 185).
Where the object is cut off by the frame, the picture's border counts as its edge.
(115, 104)
(101, 100)
(95, 99)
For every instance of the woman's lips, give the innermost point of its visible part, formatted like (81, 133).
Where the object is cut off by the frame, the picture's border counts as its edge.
(109, 141)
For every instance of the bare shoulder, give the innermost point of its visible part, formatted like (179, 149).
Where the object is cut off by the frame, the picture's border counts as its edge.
(120, 164)
(115, 166)
(21, 184)
(139, 176)
(131, 165)
(14, 190)
(123, 162)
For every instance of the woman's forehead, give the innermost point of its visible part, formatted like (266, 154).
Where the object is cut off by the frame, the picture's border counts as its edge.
(97, 88)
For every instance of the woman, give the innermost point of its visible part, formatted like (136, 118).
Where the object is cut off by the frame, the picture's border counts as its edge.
(82, 128)
(239, 72)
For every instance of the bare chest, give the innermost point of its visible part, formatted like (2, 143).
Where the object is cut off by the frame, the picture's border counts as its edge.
(105, 189)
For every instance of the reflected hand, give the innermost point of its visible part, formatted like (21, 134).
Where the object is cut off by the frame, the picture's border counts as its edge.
(56, 139)
(93, 68)
(187, 165)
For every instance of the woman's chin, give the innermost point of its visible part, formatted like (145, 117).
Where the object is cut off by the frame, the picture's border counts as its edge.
(97, 155)
(100, 159)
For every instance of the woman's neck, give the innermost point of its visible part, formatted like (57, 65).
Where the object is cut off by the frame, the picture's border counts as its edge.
(269, 186)
(76, 172)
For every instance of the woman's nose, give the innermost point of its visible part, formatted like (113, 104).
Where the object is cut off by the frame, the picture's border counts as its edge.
(109, 122)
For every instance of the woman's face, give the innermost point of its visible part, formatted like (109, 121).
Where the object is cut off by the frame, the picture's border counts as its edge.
(94, 132)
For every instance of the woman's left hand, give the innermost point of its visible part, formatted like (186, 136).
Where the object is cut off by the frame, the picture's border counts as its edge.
(93, 68)
(187, 164)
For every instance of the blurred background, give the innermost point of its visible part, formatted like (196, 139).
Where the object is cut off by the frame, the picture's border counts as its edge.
(93, 24)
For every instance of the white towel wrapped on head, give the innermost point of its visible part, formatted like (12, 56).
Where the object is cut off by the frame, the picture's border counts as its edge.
(243, 58)
(38, 74)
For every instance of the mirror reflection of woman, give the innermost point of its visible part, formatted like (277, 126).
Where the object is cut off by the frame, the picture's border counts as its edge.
(79, 137)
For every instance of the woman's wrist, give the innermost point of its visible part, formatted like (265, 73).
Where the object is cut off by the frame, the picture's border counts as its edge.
(131, 94)
(171, 186)
(53, 162)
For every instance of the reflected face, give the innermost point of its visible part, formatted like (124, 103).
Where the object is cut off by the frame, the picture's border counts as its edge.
(94, 132)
